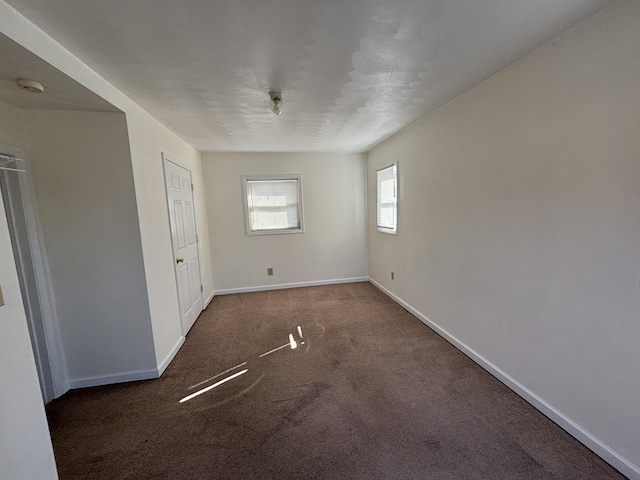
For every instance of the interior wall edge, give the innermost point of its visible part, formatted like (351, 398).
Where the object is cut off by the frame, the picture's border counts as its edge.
(365, 158)
(169, 358)
(593, 443)
(207, 300)
(53, 336)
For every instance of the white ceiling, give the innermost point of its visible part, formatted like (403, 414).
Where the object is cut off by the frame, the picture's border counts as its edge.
(352, 72)
(61, 91)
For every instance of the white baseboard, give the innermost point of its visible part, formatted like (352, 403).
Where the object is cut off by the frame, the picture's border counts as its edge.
(281, 286)
(625, 466)
(208, 299)
(128, 376)
(111, 378)
(165, 363)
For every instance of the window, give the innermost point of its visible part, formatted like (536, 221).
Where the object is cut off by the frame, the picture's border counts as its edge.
(273, 204)
(388, 199)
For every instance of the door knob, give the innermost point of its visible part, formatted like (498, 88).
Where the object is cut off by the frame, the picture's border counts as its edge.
(179, 260)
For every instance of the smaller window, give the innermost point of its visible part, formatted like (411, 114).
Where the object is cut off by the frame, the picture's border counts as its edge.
(388, 199)
(273, 204)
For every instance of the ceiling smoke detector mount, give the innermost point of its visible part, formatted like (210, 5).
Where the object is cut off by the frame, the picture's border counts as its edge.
(276, 103)
(30, 85)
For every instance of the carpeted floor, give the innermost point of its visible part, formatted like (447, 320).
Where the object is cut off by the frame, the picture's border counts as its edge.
(369, 393)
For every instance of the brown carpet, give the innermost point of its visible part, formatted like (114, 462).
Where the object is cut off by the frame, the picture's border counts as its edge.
(369, 393)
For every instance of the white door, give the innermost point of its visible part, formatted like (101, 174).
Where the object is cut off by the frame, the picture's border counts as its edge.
(185, 245)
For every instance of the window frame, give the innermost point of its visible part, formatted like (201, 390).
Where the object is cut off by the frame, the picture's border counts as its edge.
(383, 229)
(272, 177)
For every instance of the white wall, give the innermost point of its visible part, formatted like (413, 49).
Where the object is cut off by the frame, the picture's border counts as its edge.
(519, 224)
(83, 183)
(24, 441)
(148, 139)
(25, 446)
(333, 245)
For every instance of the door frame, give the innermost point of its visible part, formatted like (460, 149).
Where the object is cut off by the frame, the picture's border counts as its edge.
(166, 158)
(45, 303)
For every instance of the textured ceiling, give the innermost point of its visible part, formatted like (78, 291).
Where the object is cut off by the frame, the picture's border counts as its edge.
(351, 72)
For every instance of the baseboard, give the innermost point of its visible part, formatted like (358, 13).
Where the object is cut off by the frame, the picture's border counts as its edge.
(625, 466)
(165, 363)
(111, 378)
(281, 286)
(128, 376)
(208, 299)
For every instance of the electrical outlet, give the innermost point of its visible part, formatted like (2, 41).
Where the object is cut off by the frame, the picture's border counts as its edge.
(270, 271)
(393, 276)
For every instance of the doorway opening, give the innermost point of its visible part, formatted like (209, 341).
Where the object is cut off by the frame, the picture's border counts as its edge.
(31, 268)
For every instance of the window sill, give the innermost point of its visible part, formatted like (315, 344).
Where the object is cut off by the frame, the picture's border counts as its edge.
(275, 232)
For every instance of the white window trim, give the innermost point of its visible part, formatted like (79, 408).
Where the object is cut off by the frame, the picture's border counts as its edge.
(291, 176)
(392, 231)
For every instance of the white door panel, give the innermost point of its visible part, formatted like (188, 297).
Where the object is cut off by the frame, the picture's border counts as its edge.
(179, 225)
(190, 227)
(175, 182)
(194, 282)
(185, 246)
(185, 289)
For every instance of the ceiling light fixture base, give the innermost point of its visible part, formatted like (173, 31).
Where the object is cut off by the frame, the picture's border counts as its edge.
(276, 103)
(30, 85)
